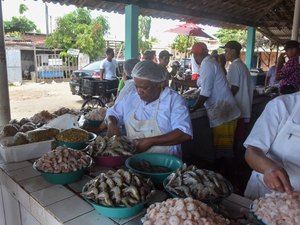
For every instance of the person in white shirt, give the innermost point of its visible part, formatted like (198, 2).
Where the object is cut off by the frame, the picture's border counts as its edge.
(242, 88)
(108, 66)
(216, 97)
(108, 72)
(155, 116)
(273, 148)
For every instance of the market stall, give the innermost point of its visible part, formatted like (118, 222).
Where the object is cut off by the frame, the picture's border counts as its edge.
(29, 199)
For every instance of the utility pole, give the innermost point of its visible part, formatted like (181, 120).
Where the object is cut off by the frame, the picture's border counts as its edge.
(46, 14)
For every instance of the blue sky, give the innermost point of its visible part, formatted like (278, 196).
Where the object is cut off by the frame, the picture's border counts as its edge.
(36, 13)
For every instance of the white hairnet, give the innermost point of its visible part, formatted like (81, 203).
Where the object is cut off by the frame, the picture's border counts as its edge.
(148, 70)
(128, 66)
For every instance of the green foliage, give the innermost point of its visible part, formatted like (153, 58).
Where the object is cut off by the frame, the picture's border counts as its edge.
(78, 30)
(20, 24)
(22, 8)
(226, 35)
(182, 42)
(145, 41)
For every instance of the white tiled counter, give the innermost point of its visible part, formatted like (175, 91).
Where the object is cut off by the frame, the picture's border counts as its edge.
(27, 199)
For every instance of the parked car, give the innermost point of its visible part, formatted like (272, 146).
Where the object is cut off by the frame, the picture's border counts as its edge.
(91, 71)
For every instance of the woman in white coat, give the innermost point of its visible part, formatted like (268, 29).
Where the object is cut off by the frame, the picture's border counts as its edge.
(155, 116)
(273, 148)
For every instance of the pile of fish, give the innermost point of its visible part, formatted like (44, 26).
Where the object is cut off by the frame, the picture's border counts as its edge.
(278, 208)
(197, 183)
(182, 211)
(119, 188)
(63, 160)
(114, 146)
(96, 114)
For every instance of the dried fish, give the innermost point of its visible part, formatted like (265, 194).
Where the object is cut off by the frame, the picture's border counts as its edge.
(200, 184)
(118, 189)
(114, 146)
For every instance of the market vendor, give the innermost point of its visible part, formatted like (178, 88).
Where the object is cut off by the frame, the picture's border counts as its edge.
(216, 97)
(273, 148)
(155, 117)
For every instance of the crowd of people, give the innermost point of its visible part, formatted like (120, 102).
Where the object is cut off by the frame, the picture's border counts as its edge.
(157, 118)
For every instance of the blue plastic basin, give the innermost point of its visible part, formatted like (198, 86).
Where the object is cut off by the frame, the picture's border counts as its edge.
(155, 159)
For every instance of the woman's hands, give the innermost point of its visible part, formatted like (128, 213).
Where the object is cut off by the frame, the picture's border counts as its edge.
(277, 179)
(112, 127)
(142, 144)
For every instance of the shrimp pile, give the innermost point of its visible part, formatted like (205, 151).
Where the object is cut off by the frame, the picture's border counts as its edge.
(182, 211)
(278, 208)
(63, 160)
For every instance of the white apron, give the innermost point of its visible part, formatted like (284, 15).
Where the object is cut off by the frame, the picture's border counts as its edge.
(145, 128)
(285, 150)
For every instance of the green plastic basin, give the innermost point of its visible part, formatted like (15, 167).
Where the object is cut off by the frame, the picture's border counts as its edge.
(77, 145)
(117, 212)
(64, 178)
(155, 159)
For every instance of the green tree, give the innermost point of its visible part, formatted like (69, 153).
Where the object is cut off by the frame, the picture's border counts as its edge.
(226, 35)
(144, 39)
(78, 30)
(22, 9)
(182, 42)
(20, 25)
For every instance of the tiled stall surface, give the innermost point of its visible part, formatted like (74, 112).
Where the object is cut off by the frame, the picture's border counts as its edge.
(49, 204)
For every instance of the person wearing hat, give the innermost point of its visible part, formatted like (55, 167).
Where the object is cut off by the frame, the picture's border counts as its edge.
(156, 118)
(164, 59)
(242, 88)
(216, 97)
(288, 73)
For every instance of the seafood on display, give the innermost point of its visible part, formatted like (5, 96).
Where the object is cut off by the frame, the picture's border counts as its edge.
(114, 146)
(146, 166)
(73, 135)
(119, 188)
(182, 211)
(63, 160)
(96, 114)
(191, 94)
(197, 183)
(278, 208)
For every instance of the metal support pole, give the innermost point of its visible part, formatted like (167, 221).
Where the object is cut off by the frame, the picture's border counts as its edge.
(4, 94)
(131, 31)
(296, 21)
(250, 46)
(47, 22)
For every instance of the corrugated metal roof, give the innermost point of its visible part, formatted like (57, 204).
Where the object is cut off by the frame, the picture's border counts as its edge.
(274, 18)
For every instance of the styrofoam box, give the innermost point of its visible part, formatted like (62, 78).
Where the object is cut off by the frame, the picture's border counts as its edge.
(25, 152)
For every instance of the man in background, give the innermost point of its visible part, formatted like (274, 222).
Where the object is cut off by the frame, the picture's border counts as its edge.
(108, 71)
(163, 60)
(242, 88)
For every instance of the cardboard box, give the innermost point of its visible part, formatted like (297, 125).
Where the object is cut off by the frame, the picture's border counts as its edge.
(25, 152)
